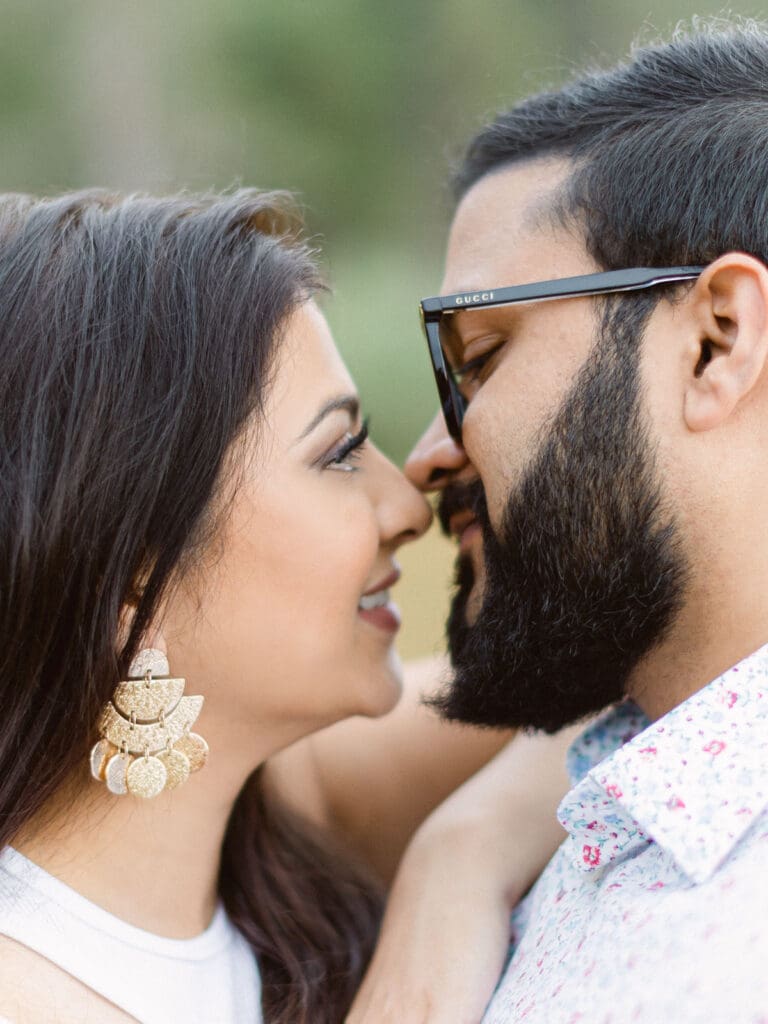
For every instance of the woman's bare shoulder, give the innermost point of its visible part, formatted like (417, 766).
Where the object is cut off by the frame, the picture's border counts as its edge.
(35, 991)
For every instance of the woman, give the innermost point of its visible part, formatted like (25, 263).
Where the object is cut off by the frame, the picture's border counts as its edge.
(185, 470)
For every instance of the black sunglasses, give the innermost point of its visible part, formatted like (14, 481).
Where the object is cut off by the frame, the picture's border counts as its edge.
(437, 312)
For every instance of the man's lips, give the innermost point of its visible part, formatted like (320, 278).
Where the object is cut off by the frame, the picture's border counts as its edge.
(464, 526)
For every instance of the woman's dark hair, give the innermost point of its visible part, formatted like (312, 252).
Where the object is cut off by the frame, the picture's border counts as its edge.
(137, 338)
(669, 149)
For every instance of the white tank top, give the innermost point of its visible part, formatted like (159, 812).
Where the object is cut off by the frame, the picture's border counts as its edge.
(210, 979)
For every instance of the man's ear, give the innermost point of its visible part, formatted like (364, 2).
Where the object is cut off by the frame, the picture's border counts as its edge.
(729, 303)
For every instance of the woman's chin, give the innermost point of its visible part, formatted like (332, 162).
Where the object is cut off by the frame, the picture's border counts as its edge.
(385, 687)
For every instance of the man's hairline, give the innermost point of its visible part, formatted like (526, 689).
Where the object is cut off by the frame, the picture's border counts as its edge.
(554, 208)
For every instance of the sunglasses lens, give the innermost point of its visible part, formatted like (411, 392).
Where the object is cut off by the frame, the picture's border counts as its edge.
(451, 401)
(458, 407)
(449, 342)
(450, 347)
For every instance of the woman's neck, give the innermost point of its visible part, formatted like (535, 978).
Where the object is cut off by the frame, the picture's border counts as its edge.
(152, 863)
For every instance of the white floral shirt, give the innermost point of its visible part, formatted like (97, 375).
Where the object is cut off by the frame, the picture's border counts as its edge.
(655, 908)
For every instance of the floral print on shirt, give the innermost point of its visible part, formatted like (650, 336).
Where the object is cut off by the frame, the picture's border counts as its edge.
(655, 908)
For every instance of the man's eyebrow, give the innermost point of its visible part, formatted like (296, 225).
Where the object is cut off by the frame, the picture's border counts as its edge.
(343, 403)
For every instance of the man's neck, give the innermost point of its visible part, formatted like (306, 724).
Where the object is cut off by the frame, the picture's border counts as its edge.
(710, 635)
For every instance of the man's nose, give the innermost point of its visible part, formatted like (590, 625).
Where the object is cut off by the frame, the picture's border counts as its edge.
(436, 458)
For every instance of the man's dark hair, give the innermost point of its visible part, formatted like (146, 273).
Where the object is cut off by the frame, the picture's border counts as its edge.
(670, 149)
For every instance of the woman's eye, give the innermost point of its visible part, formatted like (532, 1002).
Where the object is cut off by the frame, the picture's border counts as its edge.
(349, 451)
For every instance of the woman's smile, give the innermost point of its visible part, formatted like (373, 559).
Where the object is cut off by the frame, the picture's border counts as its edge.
(377, 608)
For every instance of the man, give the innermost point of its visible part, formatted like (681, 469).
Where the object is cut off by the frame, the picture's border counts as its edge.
(604, 462)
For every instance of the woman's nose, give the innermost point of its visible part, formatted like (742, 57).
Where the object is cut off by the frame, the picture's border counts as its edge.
(436, 458)
(404, 513)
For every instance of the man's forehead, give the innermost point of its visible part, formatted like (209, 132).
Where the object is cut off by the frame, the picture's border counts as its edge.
(504, 231)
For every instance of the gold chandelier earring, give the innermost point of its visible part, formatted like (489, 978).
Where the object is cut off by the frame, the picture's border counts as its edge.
(145, 743)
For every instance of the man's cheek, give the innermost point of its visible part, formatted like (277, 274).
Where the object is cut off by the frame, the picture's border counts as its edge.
(498, 464)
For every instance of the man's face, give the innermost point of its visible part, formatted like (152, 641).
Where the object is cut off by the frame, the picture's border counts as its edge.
(501, 236)
(573, 571)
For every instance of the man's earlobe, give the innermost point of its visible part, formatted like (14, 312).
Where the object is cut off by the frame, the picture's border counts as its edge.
(729, 304)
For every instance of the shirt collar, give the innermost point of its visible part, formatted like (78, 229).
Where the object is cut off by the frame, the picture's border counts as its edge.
(692, 782)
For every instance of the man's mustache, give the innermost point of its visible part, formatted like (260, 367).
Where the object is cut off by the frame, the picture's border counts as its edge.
(461, 497)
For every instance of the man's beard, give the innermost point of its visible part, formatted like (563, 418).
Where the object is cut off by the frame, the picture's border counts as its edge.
(586, 574)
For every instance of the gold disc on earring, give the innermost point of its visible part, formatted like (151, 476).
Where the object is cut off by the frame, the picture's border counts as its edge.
(115, 773)
(147, 700)
(195, 748)
(100, 754)
(177, 766)
(146, 777)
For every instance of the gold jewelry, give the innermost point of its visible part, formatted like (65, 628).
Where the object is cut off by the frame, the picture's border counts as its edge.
(145, 743)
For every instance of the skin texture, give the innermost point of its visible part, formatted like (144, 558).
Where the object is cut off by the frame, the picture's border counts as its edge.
(704, 397)
(374, 781)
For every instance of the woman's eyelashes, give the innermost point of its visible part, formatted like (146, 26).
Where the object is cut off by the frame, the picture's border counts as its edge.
(345, 454)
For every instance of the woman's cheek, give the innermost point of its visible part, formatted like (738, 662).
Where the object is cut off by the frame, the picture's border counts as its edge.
(326, 561)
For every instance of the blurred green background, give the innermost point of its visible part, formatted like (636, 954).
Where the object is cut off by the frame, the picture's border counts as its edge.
(360, 107)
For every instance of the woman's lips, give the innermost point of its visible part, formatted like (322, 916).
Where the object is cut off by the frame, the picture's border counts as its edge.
(376, 607)
(385, 617)
(385, 584)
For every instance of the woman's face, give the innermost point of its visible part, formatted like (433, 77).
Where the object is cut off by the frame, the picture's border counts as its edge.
(288, 625)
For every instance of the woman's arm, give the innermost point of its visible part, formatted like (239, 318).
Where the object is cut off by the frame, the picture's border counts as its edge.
(469, 860)
(446, 930)
(374, 781)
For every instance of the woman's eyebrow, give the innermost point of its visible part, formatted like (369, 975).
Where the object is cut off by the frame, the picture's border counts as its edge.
(345, 403)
